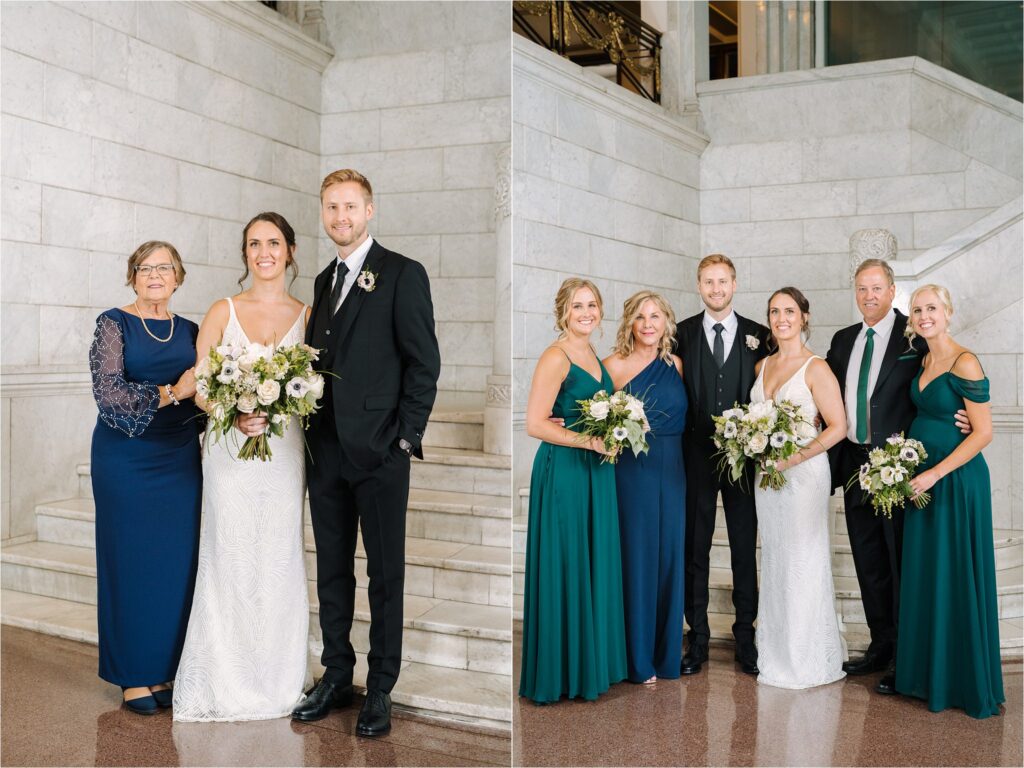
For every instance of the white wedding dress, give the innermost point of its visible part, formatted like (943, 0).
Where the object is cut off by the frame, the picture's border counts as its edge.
(246, 646)
(798, 639)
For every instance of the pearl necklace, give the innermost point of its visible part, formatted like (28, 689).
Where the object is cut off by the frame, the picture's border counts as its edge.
(146, 327)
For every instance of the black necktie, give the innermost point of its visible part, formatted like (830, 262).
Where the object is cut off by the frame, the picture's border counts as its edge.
(719, 348)
(339, 282)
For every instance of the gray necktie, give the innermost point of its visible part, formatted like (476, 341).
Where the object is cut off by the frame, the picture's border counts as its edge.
(339, 282)
(719, 348)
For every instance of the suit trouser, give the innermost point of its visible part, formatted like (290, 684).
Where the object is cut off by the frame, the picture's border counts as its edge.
(877, 545)
(342, 498)
(702, 487)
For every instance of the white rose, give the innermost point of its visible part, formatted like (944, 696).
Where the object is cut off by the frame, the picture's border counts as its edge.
(247, 403)
(229, 372)
(758, 442)
(297, 387)
(599, 409)
(253, 353)
(635, 411)
(268, 392)
(316, 385)
(888, 475)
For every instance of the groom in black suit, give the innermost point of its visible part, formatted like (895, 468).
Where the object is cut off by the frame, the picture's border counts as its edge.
(875, 365)
(373, 321)
(719, 350)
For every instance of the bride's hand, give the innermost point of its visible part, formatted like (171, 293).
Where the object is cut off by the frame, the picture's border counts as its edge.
(251, 424)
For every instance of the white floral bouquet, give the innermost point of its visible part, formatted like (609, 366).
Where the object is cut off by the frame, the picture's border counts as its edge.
(766, 433)
(618, 419)
(278, 383)
(886, 475)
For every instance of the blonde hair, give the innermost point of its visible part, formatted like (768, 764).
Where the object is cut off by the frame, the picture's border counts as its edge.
(715, 258)
(563, 302)
(347, 174)
(624, 341)
(944, 299)
(871, 263)
(146, 250)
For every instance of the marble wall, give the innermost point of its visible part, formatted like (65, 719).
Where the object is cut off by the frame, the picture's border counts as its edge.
(605, 185)
(417, 99)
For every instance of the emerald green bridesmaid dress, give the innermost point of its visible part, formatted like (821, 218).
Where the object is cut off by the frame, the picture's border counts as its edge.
(948, 648)
(574, 639)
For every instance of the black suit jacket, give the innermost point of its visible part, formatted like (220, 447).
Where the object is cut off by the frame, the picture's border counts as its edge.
(690, 334)
(891, 409)
(385, 357)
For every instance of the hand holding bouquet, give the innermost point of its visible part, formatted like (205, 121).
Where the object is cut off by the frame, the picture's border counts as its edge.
(618, 420)
(275, 382)
(766, 433)
(886, 475)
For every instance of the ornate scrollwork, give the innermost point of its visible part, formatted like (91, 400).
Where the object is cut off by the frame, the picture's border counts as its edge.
(612, 42)
(871, 244)
(499, 394)
(503, 184)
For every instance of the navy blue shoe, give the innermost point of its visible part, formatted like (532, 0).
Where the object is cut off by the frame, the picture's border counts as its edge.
(164, 699)
(145, 705)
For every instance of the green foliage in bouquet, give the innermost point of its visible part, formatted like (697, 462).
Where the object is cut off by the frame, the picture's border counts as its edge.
(619, 420)
(886, 475)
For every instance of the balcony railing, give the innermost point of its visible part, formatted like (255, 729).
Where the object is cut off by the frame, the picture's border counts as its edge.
(596, 34)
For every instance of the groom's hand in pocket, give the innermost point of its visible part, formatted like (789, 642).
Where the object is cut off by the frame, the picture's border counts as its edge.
(251, 424)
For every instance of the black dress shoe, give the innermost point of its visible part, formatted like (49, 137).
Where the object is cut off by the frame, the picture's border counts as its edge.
(747, 660)
(164, 699)
(319, 702)
(866, 664)
(887, 685)
(693, 660)
(375, 716)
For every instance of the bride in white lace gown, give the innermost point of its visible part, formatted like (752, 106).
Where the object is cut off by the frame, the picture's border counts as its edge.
(798, 639)
(246, 646)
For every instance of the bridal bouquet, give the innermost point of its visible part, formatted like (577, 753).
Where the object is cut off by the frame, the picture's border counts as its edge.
(247, 379)
(887, 473)
(766, 433)
(619, 420)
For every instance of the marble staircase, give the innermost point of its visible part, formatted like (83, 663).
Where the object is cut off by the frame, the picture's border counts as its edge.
(1009, 550)
(457, 642)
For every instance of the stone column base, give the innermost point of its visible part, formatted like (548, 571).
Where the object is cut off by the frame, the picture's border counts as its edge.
(498, 415)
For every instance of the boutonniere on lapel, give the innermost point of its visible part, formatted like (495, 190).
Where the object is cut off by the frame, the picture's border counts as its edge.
(367, 280)
(753, 342)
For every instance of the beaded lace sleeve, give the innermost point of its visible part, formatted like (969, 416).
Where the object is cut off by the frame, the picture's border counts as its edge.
(125, 405)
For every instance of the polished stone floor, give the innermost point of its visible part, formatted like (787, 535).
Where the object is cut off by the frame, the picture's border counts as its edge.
(723, 717)
(57, 712)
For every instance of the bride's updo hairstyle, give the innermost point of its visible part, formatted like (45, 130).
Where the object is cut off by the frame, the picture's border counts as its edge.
(941, 293)
(563, 302)
(282, 224)
(805, 312)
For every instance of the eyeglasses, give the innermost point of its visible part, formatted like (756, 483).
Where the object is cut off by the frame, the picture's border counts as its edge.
(164, 270)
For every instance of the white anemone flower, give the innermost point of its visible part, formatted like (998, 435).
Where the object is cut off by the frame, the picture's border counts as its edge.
(620, 433)
(779, 439)
(888, 475)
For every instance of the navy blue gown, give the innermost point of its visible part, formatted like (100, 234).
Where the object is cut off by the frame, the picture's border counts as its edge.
(147, 481)
(652, 525)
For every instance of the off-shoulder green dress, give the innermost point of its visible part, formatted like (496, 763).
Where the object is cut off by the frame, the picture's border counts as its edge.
(948, 647)
(574, 637)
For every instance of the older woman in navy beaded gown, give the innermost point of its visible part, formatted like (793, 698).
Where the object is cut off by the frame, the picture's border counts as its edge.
(652, 489)
(146, 479)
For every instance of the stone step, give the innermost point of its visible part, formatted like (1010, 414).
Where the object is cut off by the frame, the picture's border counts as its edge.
(456, 696)
(442, 632)
(442, 469)
(442, 515)
(455, 428)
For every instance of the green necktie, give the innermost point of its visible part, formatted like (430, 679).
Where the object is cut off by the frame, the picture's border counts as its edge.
(862, 387)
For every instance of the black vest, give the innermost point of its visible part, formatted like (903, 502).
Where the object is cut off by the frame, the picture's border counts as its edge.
(719, 387)
(321, 336)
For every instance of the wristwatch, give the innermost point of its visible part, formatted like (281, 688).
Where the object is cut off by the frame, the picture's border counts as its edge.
(406, 446)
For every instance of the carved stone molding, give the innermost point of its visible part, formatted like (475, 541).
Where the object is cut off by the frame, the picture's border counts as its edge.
(503, 184)
(499, 394)
(871, 244)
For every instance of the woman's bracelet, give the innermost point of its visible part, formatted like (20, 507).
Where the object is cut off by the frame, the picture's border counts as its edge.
(170, 394)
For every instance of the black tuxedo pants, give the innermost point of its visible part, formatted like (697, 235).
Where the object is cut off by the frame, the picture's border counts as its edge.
(702, 487)
(342, 499)
(877, 545)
